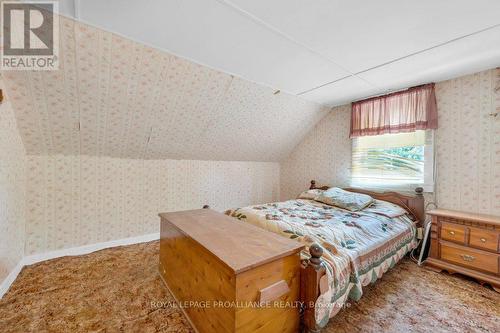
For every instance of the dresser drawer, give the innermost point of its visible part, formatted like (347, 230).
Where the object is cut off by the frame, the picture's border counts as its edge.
(484, 239)
(470, 258)
(453, 232)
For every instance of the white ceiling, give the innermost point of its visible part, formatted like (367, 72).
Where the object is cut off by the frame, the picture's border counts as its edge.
(327, 51)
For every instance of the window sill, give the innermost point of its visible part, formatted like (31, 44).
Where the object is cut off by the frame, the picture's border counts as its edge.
(408, 188)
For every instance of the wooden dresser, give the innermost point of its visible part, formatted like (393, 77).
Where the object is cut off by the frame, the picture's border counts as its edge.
(466, 243)
(219, 269)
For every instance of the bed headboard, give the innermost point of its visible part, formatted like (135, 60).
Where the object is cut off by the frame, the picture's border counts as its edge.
(412, 203)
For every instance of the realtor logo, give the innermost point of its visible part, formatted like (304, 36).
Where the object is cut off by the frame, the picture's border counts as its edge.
(30, 33)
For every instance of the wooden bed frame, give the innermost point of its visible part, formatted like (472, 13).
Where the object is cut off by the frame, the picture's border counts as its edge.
(313, 269)
(412, 203)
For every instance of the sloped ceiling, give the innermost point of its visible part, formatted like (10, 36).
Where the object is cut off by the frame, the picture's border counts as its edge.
(328, 51)
(115, 97)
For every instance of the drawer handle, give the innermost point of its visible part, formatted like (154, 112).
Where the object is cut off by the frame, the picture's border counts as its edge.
(482, 239)
(451, 233)
(467, 257)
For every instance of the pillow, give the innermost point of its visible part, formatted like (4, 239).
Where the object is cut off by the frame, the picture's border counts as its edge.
(310, 194)
(386, 208)
(344, 199)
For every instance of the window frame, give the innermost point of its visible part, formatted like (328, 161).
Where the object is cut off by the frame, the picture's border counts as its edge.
(429, 170)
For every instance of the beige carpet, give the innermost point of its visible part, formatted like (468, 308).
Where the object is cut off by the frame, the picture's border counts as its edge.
(112, 291)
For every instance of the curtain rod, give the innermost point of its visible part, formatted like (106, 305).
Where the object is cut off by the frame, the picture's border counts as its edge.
(398, 92)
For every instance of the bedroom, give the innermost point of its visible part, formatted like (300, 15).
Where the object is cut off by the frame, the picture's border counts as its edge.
(152, 108)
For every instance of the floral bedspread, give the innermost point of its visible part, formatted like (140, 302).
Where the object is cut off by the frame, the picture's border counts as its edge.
(358, 246)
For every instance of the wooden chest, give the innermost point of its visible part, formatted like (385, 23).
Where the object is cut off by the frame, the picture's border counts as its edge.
(466, 243)
(230, 276)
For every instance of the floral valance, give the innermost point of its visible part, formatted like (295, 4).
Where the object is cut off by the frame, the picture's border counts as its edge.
(403, 111)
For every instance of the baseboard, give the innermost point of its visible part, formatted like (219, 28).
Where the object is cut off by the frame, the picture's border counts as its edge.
(73, 251)
(11, 278)
(76, 251)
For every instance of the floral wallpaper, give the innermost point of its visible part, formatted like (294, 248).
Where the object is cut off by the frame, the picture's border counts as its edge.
(468, 143)
(118, 98)
(467, 147)
(78, 200)
(123, 131)
(12, 190)
(324, 155)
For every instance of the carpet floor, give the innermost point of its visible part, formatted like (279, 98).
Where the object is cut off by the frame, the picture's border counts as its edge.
(119, 290)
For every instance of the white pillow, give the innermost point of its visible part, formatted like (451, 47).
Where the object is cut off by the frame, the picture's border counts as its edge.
(310, 194)
(344, 199)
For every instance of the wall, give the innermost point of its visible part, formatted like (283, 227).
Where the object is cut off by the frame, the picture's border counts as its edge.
(79, 200)
(324, 155)
(468, 143)
(12, 190)
(116, 135)
(118, 98)
(467, 147)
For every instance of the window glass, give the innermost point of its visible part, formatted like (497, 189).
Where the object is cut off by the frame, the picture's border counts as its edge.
(399, 161)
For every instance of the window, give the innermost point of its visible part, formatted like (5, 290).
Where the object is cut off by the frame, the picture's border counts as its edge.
(399, 161)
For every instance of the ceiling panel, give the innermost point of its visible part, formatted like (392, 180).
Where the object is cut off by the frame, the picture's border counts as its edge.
(297, 46)
(216, 35)
(341, 92)
(360, 34)
(467, 55)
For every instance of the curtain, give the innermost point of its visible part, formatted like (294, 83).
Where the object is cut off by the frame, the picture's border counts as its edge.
(404, 111)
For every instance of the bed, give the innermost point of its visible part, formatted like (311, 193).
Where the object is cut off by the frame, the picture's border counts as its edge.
(345, 250)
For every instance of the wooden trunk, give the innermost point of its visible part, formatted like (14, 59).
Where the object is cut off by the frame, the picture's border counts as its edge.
(220, 270)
